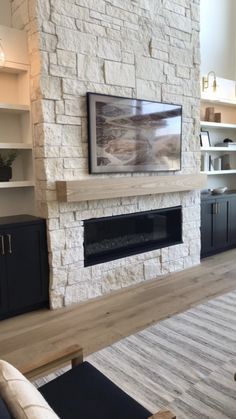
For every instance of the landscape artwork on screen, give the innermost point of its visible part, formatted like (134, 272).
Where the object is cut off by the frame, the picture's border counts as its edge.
(131, 135)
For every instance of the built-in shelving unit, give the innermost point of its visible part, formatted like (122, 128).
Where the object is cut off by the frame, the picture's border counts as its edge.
(219, 163)
(214, 157)
(17, 195)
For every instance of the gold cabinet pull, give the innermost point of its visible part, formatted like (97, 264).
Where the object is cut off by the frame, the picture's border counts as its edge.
(9, 244)
(2, 245)
(214, 208)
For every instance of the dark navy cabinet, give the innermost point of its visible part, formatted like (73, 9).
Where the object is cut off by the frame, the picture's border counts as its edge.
(23, 265)
(207, 226)
(232, 221)
(218, 223)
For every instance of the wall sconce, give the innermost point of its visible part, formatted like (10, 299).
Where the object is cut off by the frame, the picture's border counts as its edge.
(206, 81)
(2, 55)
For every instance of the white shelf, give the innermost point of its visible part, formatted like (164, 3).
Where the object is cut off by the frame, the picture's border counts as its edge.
(14, 68)
(212, 149)
(218, 101)
(6, 107)
(16, 146)
(217, 125)
(220, 172)
(17, 184)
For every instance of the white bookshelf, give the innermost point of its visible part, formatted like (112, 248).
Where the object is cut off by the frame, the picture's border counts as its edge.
(17, 195)
(218, 131)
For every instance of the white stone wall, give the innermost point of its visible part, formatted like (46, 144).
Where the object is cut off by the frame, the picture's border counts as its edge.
(145, 49)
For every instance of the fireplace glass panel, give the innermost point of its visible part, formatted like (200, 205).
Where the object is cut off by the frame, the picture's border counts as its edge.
(114, 237)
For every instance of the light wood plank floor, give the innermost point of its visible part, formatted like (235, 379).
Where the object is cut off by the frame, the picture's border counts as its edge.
(101, 322)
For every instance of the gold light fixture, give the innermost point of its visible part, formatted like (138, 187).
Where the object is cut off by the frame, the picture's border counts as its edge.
(206, 82)
(2, 55)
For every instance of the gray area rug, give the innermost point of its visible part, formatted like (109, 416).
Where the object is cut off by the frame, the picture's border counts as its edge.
(186, 362)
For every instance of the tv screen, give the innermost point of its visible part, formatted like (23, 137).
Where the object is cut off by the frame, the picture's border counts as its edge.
(132, 135)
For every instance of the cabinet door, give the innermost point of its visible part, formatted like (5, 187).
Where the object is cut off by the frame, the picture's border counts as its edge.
(3, 287)
(220, 224)
(207, 226)
(25, 266)
(232, 220)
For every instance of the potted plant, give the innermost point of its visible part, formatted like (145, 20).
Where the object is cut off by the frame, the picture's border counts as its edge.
(6, 160)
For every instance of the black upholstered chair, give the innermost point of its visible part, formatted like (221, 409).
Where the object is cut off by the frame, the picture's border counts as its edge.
(4, 413)
(84, 392)
(89, 394)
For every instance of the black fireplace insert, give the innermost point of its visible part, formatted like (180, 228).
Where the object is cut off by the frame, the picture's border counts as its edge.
(110, 238)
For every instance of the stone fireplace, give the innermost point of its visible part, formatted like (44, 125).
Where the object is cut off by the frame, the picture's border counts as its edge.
(147, 49)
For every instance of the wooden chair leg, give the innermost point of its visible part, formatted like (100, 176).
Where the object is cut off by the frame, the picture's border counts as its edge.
(77, 360)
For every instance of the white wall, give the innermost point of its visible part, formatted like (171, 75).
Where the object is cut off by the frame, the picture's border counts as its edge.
(218, 37)
(5, 12)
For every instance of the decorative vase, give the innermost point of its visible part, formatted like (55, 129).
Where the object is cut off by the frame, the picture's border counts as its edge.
(5, 173)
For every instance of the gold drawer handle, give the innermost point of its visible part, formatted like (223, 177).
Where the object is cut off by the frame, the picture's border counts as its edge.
(9, 244)
(2, 245)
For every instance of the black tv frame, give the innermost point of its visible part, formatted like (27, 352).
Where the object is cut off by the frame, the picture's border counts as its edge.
(92, 143)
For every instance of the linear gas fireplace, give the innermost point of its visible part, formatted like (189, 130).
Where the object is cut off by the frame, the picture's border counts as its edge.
(110, 238)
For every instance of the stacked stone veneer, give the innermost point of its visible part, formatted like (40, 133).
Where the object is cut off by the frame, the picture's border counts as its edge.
(135, 48)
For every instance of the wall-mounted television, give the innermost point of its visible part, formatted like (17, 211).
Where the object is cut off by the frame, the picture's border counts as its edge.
(133, 135)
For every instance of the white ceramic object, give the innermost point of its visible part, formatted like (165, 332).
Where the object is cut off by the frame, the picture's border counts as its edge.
(221, 190)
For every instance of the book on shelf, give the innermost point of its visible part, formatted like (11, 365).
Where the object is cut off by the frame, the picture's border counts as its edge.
(226, 162)
(211, 164)
(205, 162)
(217, 163)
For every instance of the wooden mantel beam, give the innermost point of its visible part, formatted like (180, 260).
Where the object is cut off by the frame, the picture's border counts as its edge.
(96, 188)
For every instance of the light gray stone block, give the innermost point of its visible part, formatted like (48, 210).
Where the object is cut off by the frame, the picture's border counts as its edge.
(152, 269)
(76, 41)
(149, 69)
(90, 68)
(109, 49)
(50, 87)
(119, 74)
